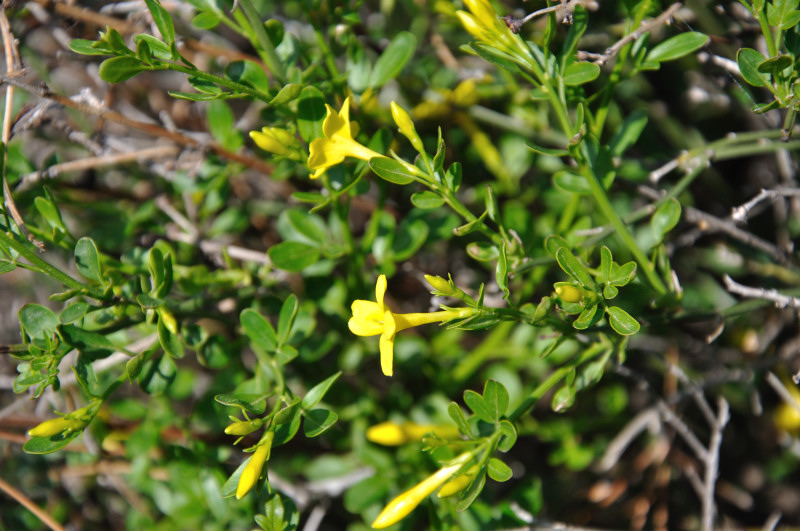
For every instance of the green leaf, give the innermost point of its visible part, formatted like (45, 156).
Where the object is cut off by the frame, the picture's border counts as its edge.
(73, 312)
(251, 402)
(457, 414)
(498, 470)
(48, 445)
(553, 243)
(193, 96)
(318, 421)
(509, 436)
(470, 227)
(157, 47)
(574, 268)
(248, 73)
(563, 398)
(316, 393)
(293, 256)
(587, 318)
(310, 227)
(162, 19)
(286, 94)
(119, 69)
(677, 47)
(38, 321)
(553, 152)
(280, 514)
(501, 272)
(409, 237)
(259, 330)
(473, 491)
(622, 275)
(204, 86)
(606, 259)
(783, 13)
(286, 318)
(287, 431)
(483, 251)
(206, 20)
(571, 182)
(391, 170)
(542, 310)
(157, 375)
(87, 47)
(221, 124)
(310, 113)
(495, 398)
(427, 200)
(748, 60)
(232, 483)
(476, 403)
(629, 133)
(171, 343)
(358, 68)
(580, 73)
(84, 340)
(87, 260)
(393, 59)
(775, 65)
(491, 55)
(665, 218)
(621, 321)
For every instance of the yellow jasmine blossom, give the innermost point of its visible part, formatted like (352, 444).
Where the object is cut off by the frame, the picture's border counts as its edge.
(485, 25)
(402, 505)
(406, 126)
(458, 483)
(56, 426)
(243, 427)
(252, 471)
(375, 318)
(337, 143)
(394, 434)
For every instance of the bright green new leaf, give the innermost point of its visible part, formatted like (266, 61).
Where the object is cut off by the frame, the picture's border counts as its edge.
(580, 73)
(748, 60)
(293, 256)
(498, 470)
(119, 69)
(393, 59)
(677, 47)
(665, 218)
(391, 170)
(621, 321)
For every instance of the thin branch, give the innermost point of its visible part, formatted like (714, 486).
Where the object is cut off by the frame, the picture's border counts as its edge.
(780, 300)
(648, 419)
(26, 502)
(149, 128)
(712, 463)
(740, 213)
(782, 391)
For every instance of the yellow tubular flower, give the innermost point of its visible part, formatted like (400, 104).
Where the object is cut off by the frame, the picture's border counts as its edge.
(373, 318)
(338, 142)
(252, 471)
(406, 126)
(484, 24)
(402, 505)
(394, 434)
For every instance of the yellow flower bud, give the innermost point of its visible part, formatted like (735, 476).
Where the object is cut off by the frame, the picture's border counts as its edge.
(567, 292)
(465, 94)
(56, 426)
(457, 484)
(406, 126)
(168, 319)
(440, 285)
(252, 471)
(402, 505)
(394, 434)
(243, 427)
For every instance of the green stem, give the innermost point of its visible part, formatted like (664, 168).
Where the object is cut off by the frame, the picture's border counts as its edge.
(557, 375)
(265, 46)
(217, 80)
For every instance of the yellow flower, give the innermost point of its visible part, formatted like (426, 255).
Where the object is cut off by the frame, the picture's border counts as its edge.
(338, 142)
(485, 25)
(56, 426)
(374, 318)
(277, 141)
(243, 427)
(458, 483)
(567, 292)
(402, 505)
(252, 471)
(394, 434)
(406, 126)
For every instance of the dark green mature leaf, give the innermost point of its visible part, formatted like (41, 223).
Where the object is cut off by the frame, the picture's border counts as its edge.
(259, 330)
(574, 268)
(621, 321)
(156, 47)
(171, 343)
(157, 375)
(628, 134)
(162, 19)
(587, 318)
(316, 393)
(501, 272)
(677, 47)
(391, 170)
(393, 59)
(286, 318)
(318, 421)
(310, 113)
(580, 73)
(293, 256)
(86, 340)
(37, 320)
(248, 73)
(48, 445)
(232, 483)
(250, 402)
(509, 437)
(748, 60)
(473, 491)
(87, 259)
(87, 47)
(783, 13)
(457, 414)
(495, 398)
(280, 514)
(775, 65)
(119, 69)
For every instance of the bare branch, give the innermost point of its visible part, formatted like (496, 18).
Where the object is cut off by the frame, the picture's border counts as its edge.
(712, 463)
(780, 300)
(739, 214)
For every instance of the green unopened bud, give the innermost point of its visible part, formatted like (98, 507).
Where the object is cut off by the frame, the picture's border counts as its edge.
(244, 427)
(441, 286)
(406, 126)
(567, 292)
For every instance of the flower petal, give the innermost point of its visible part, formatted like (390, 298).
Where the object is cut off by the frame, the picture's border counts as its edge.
(367, 319)
(337, 123)
(380, 291)
(387, 343)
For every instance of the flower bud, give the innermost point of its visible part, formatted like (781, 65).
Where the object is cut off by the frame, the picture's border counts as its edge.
(56, 426)
(244, 427)
(567, 292)
(440, 285)
(406, 126)
(394, 434)
(252, 471)
(277, 141)
(457, 484)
